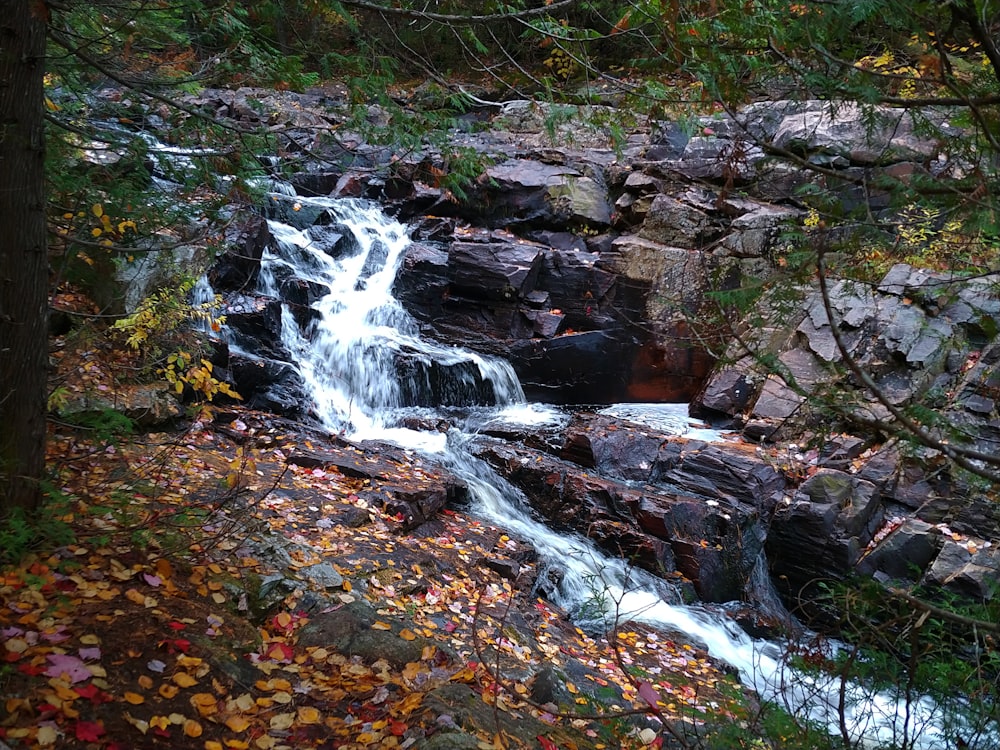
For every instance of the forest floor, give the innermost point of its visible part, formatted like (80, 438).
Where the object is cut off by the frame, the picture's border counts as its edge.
(213, 594)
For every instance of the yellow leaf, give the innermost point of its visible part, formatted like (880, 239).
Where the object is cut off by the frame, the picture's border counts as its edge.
(237, 744)
(407, 635)
(244, 702)
(146, 682)
(168, 691)
(237, 723)
(134, 698)
(184, 680)
(309, 715)
(95, 232)
(192, 728)
(213, 745)
(159, 722)
(381, 626)
(98, 210)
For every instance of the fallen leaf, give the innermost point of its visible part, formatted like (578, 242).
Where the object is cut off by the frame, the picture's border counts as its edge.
(184, 680)
(309, 715)
(282, 721)
(237, 723)
(134, 698)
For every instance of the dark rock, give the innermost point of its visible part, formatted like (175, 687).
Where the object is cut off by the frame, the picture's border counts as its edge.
(237, 268)
(574, 368)
(973, 574)
(821, 531)
(904, 554)
(508, 569)
(411, 497)
(714, 546)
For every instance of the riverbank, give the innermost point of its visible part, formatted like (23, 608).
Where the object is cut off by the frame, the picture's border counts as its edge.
(218, 594)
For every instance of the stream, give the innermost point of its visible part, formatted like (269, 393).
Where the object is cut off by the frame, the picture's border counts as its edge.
(367, 368)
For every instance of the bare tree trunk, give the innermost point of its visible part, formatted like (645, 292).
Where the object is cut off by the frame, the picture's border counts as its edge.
(23, 259)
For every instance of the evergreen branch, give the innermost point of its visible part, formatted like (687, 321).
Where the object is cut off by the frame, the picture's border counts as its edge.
(136, 86)
(460, 19)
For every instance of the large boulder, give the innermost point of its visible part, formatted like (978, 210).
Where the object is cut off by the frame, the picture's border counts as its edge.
(819, 532)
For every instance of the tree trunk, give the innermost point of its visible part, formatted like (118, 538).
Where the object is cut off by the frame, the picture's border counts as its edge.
(23, 259)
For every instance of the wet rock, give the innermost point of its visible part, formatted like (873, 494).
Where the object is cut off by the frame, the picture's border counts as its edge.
(410, 498)
(713, 545)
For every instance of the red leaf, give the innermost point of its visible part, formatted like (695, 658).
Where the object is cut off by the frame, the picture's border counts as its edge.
(648, 693)
(30, 669)
(281, 652)
(547, 744)
(88, 731)
(176, 625)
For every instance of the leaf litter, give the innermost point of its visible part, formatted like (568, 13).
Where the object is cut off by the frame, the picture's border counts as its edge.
(176, 618)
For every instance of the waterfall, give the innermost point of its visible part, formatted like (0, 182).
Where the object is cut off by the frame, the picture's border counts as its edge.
(365, 365)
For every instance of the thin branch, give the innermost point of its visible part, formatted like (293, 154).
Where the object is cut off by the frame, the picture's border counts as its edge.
(460, 19)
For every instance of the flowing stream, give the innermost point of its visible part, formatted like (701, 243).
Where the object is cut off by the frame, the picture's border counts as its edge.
(366, 365)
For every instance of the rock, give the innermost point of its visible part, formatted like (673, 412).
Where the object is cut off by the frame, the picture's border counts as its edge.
(972, 574)
(524, 192)
(820, 532)
(348, 630)
(853, 132)
(674, 222)
(409, 497)
(715, 545)
(144, 405)
(237, 268)
(494, 271)
(904, 554)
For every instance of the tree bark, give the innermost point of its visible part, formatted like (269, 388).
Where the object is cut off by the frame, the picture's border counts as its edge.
(23, 258)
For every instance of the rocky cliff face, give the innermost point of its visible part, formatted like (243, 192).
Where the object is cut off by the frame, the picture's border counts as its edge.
(586, 265)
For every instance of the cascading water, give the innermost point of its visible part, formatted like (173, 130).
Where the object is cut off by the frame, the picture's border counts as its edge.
(364, 363)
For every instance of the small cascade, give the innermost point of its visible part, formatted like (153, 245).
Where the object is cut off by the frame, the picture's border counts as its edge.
(358, 351)
(366, 367)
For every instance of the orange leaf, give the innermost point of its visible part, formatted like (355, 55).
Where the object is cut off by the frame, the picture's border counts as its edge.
(309, 715)
(237, 723)
(184, 680)
(134, 698)
(192, 728)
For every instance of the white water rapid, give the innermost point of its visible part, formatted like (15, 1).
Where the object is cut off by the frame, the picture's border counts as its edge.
(365, 364)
